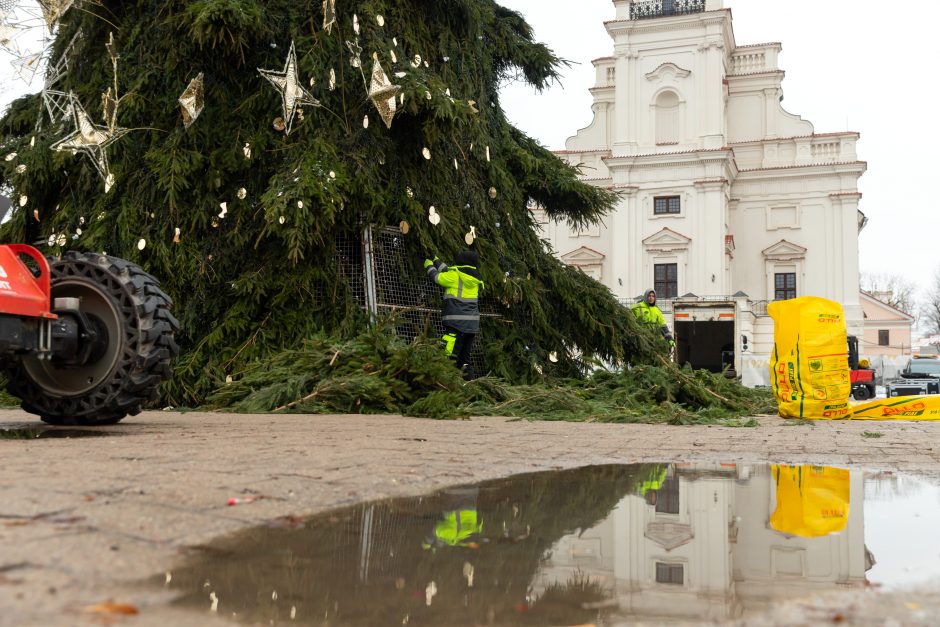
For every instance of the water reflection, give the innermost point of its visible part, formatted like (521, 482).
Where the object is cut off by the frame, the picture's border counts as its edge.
(692, 542)
(43, 433)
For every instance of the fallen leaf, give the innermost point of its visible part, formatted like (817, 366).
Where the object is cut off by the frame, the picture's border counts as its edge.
(112, 608)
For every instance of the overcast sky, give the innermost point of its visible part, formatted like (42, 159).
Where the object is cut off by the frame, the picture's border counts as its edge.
(862, 65)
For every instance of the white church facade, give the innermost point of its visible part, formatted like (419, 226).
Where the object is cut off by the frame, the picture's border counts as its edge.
(727, 201)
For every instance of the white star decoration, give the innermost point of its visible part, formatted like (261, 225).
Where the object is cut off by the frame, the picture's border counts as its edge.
(8, 32)
(293, 95)
(382, 93)
(90, 139)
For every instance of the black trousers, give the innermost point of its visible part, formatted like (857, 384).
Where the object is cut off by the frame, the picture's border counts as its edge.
(463, 346)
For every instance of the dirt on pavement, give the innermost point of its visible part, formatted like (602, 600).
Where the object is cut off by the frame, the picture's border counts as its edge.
(87, 520)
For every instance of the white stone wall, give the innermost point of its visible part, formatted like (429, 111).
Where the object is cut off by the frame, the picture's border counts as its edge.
(682, 110)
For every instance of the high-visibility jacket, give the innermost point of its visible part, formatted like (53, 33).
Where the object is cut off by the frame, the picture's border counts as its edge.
(456, 528)
(462, 285)
(651, 315)
(655, 481)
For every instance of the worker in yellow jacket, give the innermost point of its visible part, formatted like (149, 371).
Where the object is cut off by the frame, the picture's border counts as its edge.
(647, 312)
(460, 312)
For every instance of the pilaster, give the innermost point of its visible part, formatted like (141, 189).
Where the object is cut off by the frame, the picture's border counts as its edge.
(627, 123)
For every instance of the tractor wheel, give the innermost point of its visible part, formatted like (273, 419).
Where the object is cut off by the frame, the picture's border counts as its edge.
(861, 393)
(129, 304)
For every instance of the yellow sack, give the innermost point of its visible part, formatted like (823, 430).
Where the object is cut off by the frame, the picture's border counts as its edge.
(812, 501)
(899, 408)
(809, 366)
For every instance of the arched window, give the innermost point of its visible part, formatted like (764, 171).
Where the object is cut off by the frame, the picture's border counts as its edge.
(667, 118)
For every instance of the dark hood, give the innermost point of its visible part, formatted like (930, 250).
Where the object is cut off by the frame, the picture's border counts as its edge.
(467, 258)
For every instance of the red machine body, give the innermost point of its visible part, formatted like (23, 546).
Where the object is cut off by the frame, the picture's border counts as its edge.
(22, 293)
(865, 375)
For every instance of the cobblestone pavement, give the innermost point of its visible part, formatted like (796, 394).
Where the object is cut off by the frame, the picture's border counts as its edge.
(87, 520)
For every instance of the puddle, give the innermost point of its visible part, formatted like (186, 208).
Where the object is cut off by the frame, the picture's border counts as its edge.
(34, 432)
(602, 545)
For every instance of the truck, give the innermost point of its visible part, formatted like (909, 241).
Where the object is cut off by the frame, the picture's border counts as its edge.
(85, 338)
(920, 376)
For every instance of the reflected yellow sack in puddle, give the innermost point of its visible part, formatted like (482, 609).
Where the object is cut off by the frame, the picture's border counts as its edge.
(812, 501)
(809, 365)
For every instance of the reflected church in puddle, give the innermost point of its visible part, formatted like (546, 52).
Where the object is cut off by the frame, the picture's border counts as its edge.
(716, 541)
(606, 544)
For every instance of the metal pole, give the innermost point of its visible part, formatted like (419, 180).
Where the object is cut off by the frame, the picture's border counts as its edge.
(368, 270)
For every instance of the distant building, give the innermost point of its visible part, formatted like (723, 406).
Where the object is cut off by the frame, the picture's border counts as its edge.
(929, 345)
(728, 201)
(887, 328)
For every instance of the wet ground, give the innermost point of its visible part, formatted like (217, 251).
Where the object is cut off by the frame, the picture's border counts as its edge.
(362, 520)
(35, 432)
(678, 543)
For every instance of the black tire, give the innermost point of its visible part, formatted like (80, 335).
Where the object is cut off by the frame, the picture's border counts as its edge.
(141, 345)
(861, 393)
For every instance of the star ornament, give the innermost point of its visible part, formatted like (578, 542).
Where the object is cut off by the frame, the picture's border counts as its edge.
(382, 94)
(27, 66)
(9, 32)
(293, 95)
(192, 101)
(90, 140)
(329, 15)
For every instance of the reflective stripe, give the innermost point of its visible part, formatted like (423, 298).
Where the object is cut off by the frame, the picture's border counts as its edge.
(450, 339)
(461, 300)
(477, 317)
(459, 286)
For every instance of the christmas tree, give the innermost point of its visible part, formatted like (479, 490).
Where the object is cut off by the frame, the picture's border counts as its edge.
(234, 148)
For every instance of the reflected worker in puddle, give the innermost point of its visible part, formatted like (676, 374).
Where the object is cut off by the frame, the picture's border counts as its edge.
(461, 523)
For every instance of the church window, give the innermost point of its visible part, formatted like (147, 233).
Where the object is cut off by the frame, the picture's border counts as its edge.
(667, 118)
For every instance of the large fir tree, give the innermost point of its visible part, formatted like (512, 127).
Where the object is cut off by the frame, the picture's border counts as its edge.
(265, 274)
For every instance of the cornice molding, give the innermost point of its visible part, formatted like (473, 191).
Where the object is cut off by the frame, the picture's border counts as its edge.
(583, 255)
(784, 251)
(666, 69)
(667, 240)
